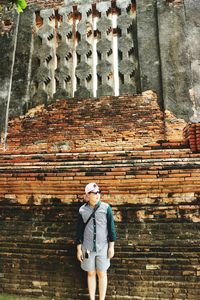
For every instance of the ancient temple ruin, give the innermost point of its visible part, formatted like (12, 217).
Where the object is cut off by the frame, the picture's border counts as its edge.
(104, 91)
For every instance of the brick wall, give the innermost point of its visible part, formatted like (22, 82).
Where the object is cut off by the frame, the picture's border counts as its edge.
(118, 123)
(125, 176)
(89, 125)
(137, 155)
(157, 253)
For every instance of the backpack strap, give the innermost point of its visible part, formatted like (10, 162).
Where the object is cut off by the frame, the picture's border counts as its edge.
(92, 214)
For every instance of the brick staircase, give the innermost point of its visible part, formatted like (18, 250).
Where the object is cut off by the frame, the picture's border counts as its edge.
(124, 176)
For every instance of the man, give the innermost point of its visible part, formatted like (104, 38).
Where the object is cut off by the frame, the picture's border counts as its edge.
(95, 240)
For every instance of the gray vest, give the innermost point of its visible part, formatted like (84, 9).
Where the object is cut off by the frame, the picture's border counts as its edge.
(97, 224)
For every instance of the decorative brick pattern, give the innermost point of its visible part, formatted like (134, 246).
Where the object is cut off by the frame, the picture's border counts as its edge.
(82, 51)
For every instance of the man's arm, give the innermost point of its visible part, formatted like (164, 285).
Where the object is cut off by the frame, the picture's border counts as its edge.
(79, 253)
(111, 249)
(111, 232)
(79, 237)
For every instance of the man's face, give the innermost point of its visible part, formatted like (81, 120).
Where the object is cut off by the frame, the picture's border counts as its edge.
(94, 196)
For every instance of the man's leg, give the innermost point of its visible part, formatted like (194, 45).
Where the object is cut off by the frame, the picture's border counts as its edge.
(102, 276)
(92, 284)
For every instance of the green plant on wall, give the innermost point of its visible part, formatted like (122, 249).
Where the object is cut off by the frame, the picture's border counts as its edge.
(21, 5)
(6, 19)
(9, 4)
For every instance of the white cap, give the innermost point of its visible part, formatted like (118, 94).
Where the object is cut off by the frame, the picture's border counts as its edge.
(90, 187)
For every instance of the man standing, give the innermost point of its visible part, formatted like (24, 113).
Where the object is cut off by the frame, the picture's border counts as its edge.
(95, 239)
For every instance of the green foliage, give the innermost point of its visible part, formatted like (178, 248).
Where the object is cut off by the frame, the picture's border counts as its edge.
(20, 5)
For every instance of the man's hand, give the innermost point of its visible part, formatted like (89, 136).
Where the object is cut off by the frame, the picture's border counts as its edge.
(79, 253)
(111, 250)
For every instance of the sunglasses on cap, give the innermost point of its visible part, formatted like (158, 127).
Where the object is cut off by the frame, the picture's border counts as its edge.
(95, 193)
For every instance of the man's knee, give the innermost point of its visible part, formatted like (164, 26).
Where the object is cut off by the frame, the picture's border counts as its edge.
(101, 274)
(91, 273)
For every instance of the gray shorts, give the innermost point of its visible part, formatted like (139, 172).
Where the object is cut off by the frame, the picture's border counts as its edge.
(96, 260)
